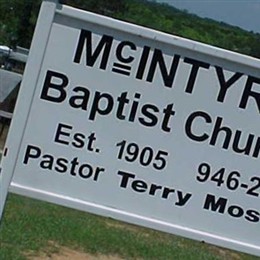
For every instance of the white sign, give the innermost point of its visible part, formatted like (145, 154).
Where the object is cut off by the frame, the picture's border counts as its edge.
(141, 126)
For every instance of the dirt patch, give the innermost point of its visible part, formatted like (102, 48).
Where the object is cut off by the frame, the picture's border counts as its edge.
(119, 225)
(125, 226)
(65, 253)
(225, 253)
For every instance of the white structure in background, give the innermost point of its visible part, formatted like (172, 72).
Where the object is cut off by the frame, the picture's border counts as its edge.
(4, 50)
(19, 54)
(9, 81)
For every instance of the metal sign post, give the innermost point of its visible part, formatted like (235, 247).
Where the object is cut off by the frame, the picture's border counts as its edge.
(138, 125)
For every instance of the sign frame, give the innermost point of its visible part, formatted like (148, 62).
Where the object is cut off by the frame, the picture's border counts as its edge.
(37, 52)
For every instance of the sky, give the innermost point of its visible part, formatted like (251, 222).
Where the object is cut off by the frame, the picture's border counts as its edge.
(241, 13)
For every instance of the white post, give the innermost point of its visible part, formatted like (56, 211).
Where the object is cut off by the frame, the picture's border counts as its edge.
(46, 16)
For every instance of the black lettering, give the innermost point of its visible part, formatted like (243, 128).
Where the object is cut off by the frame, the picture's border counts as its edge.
(80, 101)
(97, 173)
(249, 93)
(61, 131)
(235, 211)
(48, 162)
(257, 148)
(215, 205)
(61, 165)
(121, 68)
(122, 101)
(125, 177)
(85, 171)
(252, 216)
(57, 88)
(97, 108)
(143, 62)
(166, 192)
(225, 85)
(182, 200)
(85, 39)
(91, 139)
(168, 113)
(196, 65)
(134, 107)
(189, 123)
(154, 188)
(217, 130)
(157, 59)
(148, 114)
(119, 51)
(247, 147)
(31, 152)
(74, 163)
(79, 140)
(139, 186)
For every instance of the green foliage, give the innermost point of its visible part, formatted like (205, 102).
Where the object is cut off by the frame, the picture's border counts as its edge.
(171, 20)
(17, 21)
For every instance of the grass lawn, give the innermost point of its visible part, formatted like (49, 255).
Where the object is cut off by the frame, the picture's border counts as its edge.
(31, 227)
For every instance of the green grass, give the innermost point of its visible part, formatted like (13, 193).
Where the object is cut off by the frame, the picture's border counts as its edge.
(31, 226)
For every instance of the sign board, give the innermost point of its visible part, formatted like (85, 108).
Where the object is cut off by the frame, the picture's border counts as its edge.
(141, 126)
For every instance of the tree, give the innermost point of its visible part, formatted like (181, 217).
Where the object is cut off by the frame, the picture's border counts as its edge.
(17, 21)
